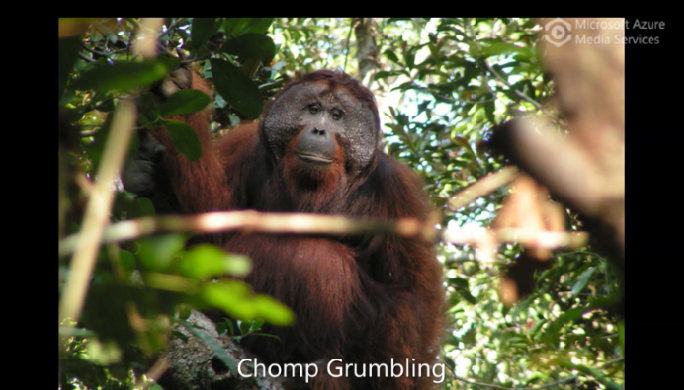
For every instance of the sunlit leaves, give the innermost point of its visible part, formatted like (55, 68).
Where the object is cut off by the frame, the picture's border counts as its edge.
(103, 353)
(582, 281)
(235, 299)
(450, 80)
(204, 261)
(164, 257)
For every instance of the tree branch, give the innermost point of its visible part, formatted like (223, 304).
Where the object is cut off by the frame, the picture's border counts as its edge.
(296, 223)
(96, 217)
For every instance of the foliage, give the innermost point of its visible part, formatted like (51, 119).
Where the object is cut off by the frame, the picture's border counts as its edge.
(446, 83)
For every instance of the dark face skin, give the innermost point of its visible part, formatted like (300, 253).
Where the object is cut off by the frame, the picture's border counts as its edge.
(319, 125)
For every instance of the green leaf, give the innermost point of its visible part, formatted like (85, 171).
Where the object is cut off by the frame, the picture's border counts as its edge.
(256, 325)
(125, 75)
(459, 282)
(582, 281)
(127, 261)
(567, 316)
(184, 311)
(237, 26)
(236, 88)
(202, 29)
(273, 311)
(144, 207)
(435, 52)
(467, 295)
(187, 101)
(66, 97)
(250, 66)
(489, 111)
(258, 25)
(217, 348)
(75, 332)
(464, 143)
(220, 102)
(244, 326)
(495, 47)
(621, 335)
(229, 296)
(221, 329)
(576, 312)
(391, 56)
(251, 46)
(265, 335)
(383, 74)
(591, 371)
(229, 25)
(148, 113)
(184, 138)
(205, 261)
(68, 53)
(230, 327)
(410, 57)
(236, 299)
(103, 352)
(155, 253)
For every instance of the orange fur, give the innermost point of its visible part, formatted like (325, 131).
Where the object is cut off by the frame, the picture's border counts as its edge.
(365, 299)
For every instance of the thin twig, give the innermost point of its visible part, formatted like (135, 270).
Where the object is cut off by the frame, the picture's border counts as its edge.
(200, 58)
(153, 374)
(174, 24)
(164, 49)
(250, 220)
(91, 132)
(97, 213)
(83, 183)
